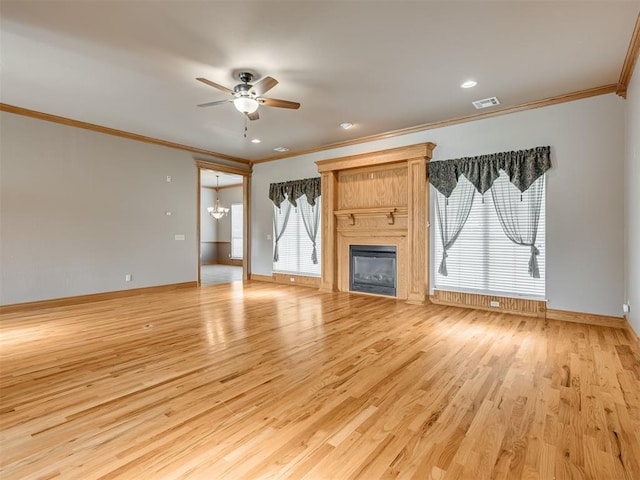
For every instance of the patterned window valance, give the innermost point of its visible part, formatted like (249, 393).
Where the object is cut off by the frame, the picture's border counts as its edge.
(294, 189)
(523, 168)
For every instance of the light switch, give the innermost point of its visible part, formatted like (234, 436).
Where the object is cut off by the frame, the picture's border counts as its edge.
(179, 237)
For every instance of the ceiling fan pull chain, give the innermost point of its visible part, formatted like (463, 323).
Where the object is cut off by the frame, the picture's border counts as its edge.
(245, 126)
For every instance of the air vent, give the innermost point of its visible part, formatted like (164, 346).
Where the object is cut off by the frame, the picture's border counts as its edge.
(486, 102)
(281, 149)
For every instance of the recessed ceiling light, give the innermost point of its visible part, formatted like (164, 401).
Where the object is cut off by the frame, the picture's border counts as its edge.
(281, 149)
(469, 84)
(346, 125)
(255, 140)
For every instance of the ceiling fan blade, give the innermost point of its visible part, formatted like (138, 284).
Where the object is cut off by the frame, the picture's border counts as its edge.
(214, 85)
(217, 102)
(253, 116)
(264, 85)
(274, 102)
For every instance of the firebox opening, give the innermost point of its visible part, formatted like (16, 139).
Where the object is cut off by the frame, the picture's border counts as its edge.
(373, 269)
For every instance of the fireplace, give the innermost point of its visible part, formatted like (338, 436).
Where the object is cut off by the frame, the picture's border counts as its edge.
(379, 198)
(373, 269)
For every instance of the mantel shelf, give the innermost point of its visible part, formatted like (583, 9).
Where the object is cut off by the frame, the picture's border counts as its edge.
(389, 212)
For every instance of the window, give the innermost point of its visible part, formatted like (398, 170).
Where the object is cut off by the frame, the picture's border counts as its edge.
(483, 259)
(295, 247)
(237, 217)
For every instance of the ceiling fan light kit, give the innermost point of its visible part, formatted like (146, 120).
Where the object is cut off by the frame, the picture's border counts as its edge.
(246, 104)
(247, 97)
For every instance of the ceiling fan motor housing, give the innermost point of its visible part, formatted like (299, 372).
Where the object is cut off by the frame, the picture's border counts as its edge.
(242, 89)
(245, 77)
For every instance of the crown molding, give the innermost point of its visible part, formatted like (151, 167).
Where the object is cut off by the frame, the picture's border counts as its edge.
(568, 97)
(112, 131)
(237, 185)
(629, 61)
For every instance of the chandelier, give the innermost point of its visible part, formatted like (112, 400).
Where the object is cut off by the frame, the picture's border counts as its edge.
(217, 211)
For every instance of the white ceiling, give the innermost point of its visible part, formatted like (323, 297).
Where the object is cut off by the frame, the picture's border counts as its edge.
(208, 178)
(383, 65)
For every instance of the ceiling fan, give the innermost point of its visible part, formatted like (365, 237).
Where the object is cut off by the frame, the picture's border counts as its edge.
(246, 97)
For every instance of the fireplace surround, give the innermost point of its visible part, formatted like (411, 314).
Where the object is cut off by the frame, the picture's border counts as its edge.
(378, 198)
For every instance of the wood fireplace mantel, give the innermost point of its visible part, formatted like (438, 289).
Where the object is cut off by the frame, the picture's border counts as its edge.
(378, 198)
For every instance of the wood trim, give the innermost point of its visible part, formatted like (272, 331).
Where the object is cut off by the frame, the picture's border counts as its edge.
(588, 318)
(300, 280)
(629, 61)
(381, 157)
(546, 102)
(519, 306)
(261, 278)
(329, 190)
(234, 262)
(417, 230)
(349, 212)
(198, 227)
(93, 297)
(221, 167)
(635, 339)
(115, 132)
(246, 227)
(239, 185)
(285, 279)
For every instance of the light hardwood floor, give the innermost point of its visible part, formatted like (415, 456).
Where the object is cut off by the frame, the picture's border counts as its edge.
(256, 380)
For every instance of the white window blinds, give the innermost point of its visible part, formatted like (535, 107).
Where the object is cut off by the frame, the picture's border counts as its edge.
(237, 220)
(483, 259)
(295, 248)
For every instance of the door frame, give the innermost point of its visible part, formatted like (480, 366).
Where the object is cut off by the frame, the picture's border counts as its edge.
(246, 200)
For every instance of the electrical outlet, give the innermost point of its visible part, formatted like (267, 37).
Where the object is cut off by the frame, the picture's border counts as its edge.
(626, 308)
(493, 303)
(178, 236)
(168, 178)
(127, 277)
(167, 213)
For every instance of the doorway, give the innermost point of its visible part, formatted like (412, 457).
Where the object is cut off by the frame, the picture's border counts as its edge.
(223, 226)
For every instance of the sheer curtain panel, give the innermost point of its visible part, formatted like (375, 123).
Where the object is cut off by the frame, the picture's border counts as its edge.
(452, 216)
(519, 215)
(311, 220)
(280, 221)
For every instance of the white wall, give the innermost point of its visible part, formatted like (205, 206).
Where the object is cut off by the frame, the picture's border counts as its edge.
(80, 209)
(584, 191)
(208, 226)
(262, 208)
(632, 201)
